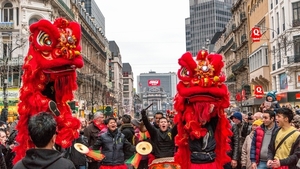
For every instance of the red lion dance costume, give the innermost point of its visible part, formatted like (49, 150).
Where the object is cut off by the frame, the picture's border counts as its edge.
(50, 76)
(203, 129)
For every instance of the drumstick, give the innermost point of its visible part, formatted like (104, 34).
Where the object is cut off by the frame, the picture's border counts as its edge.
(149, 106)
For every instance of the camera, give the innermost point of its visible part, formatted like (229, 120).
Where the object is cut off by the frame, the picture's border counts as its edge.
(250, 116)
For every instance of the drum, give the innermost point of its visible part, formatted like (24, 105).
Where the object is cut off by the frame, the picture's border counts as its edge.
(164, 163)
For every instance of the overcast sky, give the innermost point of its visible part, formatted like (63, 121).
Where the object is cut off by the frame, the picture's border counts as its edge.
(149, 33)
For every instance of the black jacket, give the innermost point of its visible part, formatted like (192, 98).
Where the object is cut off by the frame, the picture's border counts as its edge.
(113, 144)
(44, 159)
(91, 132)
(128, 132)
(76, 157)
(162, 142)
(4, 114)
(203, 149)
(294, 156)
(237, 140)
(2, 161)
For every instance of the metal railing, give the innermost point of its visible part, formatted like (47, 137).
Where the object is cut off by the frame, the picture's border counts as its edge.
(239, 66)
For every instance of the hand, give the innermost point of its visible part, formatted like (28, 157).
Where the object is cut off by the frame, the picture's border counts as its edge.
(143, 112)
(254, 166)
(276, 163)
(233, 163)
(269, 163)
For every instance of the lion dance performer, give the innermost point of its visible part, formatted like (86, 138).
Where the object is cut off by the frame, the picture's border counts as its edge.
(49, 80)
(203, 130)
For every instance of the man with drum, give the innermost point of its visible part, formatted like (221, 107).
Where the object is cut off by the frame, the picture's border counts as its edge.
(162, 141)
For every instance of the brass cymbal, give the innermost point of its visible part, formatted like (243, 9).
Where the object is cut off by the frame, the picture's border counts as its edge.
(143, 148)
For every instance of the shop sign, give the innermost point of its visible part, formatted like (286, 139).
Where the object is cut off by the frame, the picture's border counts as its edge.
(258, 91)
(255, 34)
(155, 82)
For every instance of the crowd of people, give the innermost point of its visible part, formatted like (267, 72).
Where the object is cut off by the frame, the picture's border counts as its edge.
(265, 139)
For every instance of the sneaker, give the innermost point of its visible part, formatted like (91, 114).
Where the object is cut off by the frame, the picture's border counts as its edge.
(53, 108)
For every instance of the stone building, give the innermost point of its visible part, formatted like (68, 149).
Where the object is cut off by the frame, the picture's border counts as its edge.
(17, 16)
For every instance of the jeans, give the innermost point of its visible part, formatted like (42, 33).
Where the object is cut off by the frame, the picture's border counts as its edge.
(262, 165)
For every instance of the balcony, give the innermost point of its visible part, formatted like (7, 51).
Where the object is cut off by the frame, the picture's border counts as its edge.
(231, 78)
(293, 59)
(62, 5)
(243, 16)
(233, 47)
(240, 67)
(243, 38)
(296, 23)
(6, 25)
(228, 44)
(233, 27)
(279, 64)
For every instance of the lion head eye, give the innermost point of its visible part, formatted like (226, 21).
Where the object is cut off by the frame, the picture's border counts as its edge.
(205, 68)
(43, 39)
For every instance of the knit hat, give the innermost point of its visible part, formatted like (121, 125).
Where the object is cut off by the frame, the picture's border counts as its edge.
(136, 122)
(271, 94)
(237, 115)
(257, 122)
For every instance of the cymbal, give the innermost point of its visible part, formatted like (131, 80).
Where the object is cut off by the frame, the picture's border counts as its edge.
(81, 148)
(143, 148)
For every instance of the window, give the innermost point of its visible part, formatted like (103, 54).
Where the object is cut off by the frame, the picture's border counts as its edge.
(272, 20)
(283, 19)
(125, 88)
(32, 20)
(279, 52)
(297, 48)
(266, 54)
(8, 13)
(274, 60)
(271, 4)
(125, 81)
(277, 24)
(296, 14)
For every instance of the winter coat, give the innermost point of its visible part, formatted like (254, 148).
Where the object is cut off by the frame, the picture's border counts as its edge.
(113, 144)
(2, 160)
(72, 154)
(4, 114)
(257, 141)
(237, 140)
(91, 132)
(44, 159)
(292, 159)
(245, 160)
(128, 132)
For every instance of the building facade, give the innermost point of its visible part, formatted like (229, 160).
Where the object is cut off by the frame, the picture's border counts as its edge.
(17, 16)
(157, 88)
(93, 10)
(259, 55)
(206, 18)
(116, 74)
(284, 24)
(128, 89)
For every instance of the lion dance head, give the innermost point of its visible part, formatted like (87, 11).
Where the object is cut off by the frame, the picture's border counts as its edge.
(50, 75)
(201, 96)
